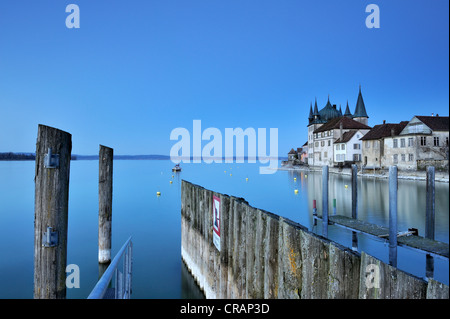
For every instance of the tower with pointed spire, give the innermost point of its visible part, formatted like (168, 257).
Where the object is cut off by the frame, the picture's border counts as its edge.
(360, 113)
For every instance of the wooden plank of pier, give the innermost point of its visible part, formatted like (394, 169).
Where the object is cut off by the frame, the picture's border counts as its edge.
(417, 242)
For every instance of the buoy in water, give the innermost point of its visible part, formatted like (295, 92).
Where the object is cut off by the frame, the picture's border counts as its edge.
(158, 193)
(296, 191)
(246, 179)
(306, 176)
(346, 186)
(295, 178)
(170, 182)
(231, 174)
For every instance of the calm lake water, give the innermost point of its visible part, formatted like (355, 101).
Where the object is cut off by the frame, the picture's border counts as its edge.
(155, 222)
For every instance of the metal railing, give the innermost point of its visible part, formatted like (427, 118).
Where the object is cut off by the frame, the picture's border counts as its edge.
(122, 279)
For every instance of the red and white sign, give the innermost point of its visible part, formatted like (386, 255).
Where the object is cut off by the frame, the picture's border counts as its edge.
(216, 222)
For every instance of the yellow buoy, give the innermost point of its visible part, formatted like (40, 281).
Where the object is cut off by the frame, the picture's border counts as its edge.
(306, 176)
(231, 174)
(246, 179)
(172, 176)
(170, 182)
(346, 186)
(295, 178)
(158, 193)
(296, 191)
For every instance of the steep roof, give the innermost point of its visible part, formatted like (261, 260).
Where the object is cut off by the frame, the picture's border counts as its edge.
(292, 151)
(347, 111)
(347, 123)
(329, 112)
(384, 130)
(347, 136)
(436, 123)
(360, 109)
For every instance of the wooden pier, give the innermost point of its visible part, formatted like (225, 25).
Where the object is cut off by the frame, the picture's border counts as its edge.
(406, 239)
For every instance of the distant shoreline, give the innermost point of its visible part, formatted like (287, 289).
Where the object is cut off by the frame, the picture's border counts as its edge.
(10, 156)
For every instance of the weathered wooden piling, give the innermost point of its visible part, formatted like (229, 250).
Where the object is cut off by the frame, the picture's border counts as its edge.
(393, 188)
(52, 172)
(354, 203)
(430, 217)
(325, 201)
(105, 190)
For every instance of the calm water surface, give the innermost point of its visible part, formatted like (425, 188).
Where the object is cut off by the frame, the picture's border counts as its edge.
(155, 222)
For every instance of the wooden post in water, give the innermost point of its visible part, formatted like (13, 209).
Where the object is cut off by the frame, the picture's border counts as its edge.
(53, 153)
(430, 217)
(354, 204)
(393, 187)
(314, 213)
(105, 185)
(325, 201)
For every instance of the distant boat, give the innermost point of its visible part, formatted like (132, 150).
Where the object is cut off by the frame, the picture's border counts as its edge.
(177, 168)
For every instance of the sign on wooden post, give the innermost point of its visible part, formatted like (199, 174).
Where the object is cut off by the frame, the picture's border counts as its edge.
(216, 222)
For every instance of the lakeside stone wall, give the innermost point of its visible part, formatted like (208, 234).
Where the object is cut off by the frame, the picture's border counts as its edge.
(263, 255)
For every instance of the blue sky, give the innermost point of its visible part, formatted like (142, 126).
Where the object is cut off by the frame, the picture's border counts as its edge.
(136, 70)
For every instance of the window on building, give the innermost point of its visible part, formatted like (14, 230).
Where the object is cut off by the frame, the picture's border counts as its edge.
(410, 157)
(402, 142)
(375, 144)
(329, 142)
(343, 147)
(331, 133)
(436, 141)
(395, 158)
(356, 146)
(403, 157)
(423, 140)
(325, 154)
(395, 143)
(357, 157)
(316, 144)
(410, 142)
(367, 144)
(322, 143)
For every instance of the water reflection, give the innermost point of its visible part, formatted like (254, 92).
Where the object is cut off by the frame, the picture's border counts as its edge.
(189, 288)
(373, 207)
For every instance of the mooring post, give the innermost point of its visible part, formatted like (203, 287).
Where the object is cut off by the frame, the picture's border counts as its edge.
(354, 190)
(314, 212)
(354, 204)
(393, 187)
(325, 201)
(105, 189)
(430, 217)
(52, 171)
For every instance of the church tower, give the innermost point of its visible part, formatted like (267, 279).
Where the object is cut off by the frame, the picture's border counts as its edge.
(360, 113)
